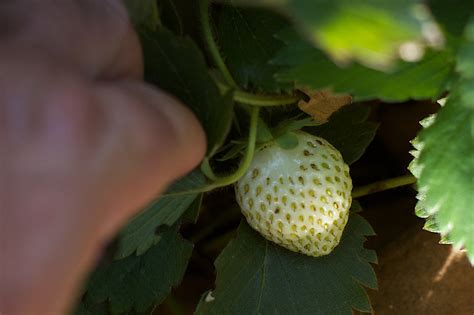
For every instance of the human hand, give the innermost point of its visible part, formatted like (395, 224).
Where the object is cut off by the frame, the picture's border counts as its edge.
(84, 144)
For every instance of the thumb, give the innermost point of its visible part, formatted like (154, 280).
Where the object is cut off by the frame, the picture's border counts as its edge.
(87, 159)
(153, 140)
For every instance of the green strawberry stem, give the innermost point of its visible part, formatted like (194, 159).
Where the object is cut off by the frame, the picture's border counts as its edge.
(211, 43)
(247, 159)
(382, 185)
(258, 100)
(207, 170)
(239, 95)
(244, 164)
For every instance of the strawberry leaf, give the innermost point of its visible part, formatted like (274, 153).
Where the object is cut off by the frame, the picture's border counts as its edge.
(466, 61)
(140, 233)
(452, 16)
(192, 213)
(247, 41)
(181, 18)
(309, 67)
(367, 31)
(444, 164)
(137, 283)
(177, 65)
(349, 131)
(174, 16)
(268, 279)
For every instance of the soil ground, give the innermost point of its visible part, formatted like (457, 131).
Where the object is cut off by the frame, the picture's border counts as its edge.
(418, 276)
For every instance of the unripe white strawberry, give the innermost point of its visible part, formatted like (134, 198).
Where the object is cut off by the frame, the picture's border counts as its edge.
(298, 198)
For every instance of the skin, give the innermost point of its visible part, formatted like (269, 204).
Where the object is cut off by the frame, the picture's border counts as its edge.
(84, 144)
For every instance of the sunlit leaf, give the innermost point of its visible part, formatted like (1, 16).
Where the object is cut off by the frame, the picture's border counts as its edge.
(308, 67)
(369, 31)
(445, 164)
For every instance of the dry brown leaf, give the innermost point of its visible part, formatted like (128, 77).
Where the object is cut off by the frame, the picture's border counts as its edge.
(323, 103)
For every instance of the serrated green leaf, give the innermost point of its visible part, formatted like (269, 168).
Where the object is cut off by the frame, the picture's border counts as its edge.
(369, 255)
(420, 210)
(445, 240)
(246, 38)
(143, 13)
(349, 131)
(137, 283)
(309, 67)
(445, 163)
(367, 31)
(446, 178)
(140, 233)
(177, 65)
(268, 279)
(356, 207)
(431, 225)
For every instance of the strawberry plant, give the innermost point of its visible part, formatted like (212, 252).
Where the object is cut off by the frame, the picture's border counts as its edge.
(271, 83)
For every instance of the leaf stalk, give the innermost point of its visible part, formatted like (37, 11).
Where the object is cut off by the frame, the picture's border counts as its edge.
(244, 164)
(211, 43)
(383, 185)
(258, 100)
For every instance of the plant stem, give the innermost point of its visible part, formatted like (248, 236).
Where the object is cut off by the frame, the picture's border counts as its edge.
(383, 185)
(244, 164)
(211, 43)
(207, 170)
(248, 157)
(239, 95)
(258, 100)
(264, 100)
